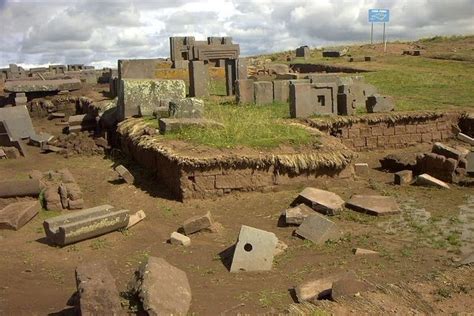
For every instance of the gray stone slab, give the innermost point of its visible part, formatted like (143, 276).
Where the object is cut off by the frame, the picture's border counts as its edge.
(42, 85)
(98, 294)
(245, 91)
(197, 223)
(162, 288)
(281, 90)
(254, 250)
(17, 122)
(263, 92)
(446, 151)
(403, 177)
(198, 79)
(16, 215)
(84, 224)
(186, 108)
(378, 103)
(465, 138)
(373, 204)
(322, 201)
(170, 124)
(318, 229)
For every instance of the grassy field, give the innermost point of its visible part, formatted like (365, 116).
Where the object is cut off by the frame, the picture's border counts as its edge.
(246, 125)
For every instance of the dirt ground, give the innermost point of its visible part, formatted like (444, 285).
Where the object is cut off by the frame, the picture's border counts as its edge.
(415, 272)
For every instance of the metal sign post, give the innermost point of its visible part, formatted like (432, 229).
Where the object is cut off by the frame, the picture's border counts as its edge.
(378, 16)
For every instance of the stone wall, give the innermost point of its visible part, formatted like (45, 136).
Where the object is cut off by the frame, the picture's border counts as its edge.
(391, 130)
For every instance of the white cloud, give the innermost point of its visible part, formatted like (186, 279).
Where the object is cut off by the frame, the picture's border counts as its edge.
(99, 32)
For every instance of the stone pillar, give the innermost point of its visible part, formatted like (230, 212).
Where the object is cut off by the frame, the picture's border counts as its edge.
(263, 92)
(245, 91)
(242, 68)
(198, 79)
(281, 90)
(230, 76)
(300, 100)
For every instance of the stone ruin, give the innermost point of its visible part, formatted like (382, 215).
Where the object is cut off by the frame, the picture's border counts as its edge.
(303, 52)
(315, 94)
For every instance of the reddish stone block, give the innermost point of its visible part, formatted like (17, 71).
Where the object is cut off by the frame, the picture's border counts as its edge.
(422, 128)
(387, 131)
(365, 132)
(437, 135)
(400, 130)
(359, 142)
(348, 142)
(371, 142)
(377, 131)
(410, 129)
(426, 137)
(354, 133)
(382, 141)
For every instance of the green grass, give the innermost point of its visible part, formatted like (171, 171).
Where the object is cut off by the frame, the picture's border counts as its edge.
(256, 126)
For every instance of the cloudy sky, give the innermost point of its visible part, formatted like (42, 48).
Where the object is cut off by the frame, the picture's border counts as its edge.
(98, 32)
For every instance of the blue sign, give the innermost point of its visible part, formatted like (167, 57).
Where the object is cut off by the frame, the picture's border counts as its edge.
(379, 15)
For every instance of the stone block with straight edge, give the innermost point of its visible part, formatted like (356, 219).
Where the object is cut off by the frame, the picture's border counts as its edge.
(322, 201)
(318, 229)
(373, 204)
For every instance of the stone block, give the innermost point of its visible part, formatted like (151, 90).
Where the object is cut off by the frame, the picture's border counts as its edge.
(303, 52)
(142, 95)
(198, 79)
(281, 90)
(403, 177)
(378, 103)
(136, 218)
(363, 252)
(66, 229)
(446, 151)
(73, 191)
(42, 85)
(17, 188)
(318, 229)
(361, 169)
(426, 179)
(21, 100)
(197, 223)
(125, 174)
(245, 91)
(66, 176)
(470, 162)
(321, 201)
(300, 100)
(254, 250)
(98, 294)
(315, 289)
(16, 215)
(465, 138)
(373, 205)
(162, 288)
(17, 122)
(63, 196)
(180, 239)
(167, 125)
(186, 108)
(263, 92)
(76, 204)
(296, 215)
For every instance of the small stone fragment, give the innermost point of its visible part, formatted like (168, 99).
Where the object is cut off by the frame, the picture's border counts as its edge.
(125, 174)
(361, 169)
(426, 179)
(63, 195)
(197, 223)
(136, 218)
(296, 215)
(361, 251)
(403, 177)
(180, 239)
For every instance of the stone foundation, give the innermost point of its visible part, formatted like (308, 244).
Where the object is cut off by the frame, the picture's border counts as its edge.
(391, 130)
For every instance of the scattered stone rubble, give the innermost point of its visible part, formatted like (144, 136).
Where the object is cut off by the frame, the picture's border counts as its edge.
(321, 201)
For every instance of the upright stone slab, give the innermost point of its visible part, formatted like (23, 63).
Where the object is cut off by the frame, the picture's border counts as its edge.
(322, 201)
(198, 79)
(318, 229)
(84, 224)
(98, 294)
(162, 288)
(230, 76)
(254, 250)
(16, 215)
(141, 96)
(470, 162)
(378, 103)
(17, 122)
(263, 92)
(303, 52)
(245, 91)
(242, 72)
(281, 90)
(374, 205)
(300, 100)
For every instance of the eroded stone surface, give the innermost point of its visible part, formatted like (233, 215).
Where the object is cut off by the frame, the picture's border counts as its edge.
(318, 229)
(16, 215)
(374, 204)
(296, 215)
(322, 201)
(197, 223)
